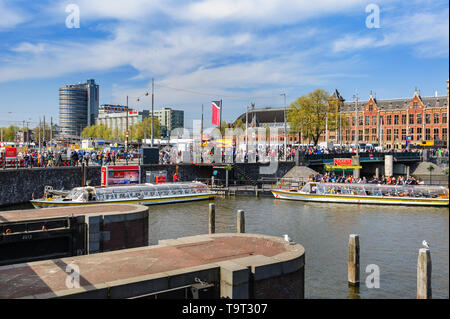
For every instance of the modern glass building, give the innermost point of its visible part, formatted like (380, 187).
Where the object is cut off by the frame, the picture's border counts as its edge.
(78, 107)
(169, 119)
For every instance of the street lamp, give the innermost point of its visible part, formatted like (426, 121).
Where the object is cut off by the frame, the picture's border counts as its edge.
(357, 122)
(285, 130)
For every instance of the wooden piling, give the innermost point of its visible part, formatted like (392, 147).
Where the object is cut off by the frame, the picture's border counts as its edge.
(424, 274)
(212, 218)
(241, 221)
(353, 260)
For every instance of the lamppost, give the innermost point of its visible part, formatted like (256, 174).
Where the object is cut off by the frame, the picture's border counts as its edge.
(447, 117)
(246, 133)
(357, 122)
(126, 134)
(285, 130)
(153, 103)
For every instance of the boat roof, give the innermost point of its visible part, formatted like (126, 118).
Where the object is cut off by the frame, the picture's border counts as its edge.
(142, 187)
(427, 187)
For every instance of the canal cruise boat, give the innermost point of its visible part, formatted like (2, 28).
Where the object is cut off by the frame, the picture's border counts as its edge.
(415, 195)
(145, 194)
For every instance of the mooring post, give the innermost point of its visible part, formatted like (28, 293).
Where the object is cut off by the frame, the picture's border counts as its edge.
(83, 175)
(212, 218)
(424, 274)
(241, 221)
(353, 260)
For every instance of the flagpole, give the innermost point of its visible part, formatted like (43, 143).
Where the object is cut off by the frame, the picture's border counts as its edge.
(153, 102)
(220, 129)
(201, 138)
(220, 119)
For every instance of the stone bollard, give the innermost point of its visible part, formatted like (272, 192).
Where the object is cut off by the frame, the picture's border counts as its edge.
(240, 221)
(353, 260)
(424, 274)
(389, 165)
(212, 218)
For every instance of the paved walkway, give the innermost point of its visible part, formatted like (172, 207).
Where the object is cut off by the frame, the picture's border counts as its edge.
(49, 277)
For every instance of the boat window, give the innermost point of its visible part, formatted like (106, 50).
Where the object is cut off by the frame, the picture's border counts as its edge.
(306, 188)
(320, 190)
(377, 192)
(361, 191)
(100, 197)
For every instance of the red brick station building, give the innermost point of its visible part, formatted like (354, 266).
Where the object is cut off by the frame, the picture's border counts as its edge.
(388, 123)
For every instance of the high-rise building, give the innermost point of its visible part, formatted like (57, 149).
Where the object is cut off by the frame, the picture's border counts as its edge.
(78, 107)
(169, 119)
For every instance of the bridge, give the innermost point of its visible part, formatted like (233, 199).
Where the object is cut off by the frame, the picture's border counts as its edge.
(364, 157)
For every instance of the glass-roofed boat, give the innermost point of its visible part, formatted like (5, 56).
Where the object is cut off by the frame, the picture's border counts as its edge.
(421, 195)
(146, 194)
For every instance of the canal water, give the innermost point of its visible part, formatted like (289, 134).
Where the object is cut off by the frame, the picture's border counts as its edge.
(390, 237)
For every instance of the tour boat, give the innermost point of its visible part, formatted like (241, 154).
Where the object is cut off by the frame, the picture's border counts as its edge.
(146, 194)
(420, 195)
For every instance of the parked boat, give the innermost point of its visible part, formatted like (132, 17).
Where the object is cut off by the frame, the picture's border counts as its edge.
(146, 194)
(420, 195)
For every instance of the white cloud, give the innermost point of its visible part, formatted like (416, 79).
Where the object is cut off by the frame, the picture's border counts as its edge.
(427, 33)
(266, 12)
(26, 47)
(9, 16)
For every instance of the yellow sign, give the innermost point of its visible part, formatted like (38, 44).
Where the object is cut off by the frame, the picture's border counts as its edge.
(224, 142)
(427, 143)
(342, 167)
(22, 149)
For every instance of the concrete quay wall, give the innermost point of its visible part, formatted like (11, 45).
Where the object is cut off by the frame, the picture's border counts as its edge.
(30, 235)
(18, 185)
(236, 266)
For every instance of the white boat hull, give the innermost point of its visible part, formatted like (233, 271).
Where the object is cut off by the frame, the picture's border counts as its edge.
(355, 199)
(40, 203)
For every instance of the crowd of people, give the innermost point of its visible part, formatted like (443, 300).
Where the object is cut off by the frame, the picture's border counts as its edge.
(171, 155)
(384, 180)
(58, 158)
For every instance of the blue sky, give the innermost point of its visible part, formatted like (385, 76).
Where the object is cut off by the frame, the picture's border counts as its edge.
(240, 51)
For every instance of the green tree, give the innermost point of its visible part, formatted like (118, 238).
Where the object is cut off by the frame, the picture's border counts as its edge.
(138, 129)
(308, 115)
(97, 131)
(9, 133)
(40, 130)
(239, 124)
(223, 126)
